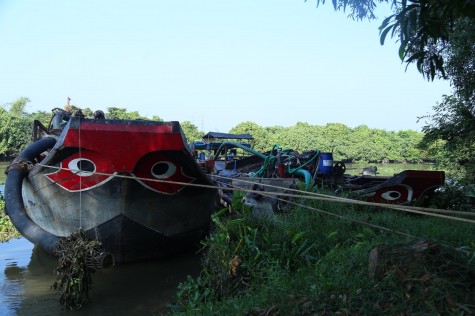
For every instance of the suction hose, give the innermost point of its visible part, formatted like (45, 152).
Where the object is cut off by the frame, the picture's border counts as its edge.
(14, 206)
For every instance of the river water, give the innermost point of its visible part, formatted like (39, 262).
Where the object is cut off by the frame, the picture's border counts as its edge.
(27, 273)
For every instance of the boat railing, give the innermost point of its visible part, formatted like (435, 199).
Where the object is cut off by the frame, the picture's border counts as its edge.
(39, 130)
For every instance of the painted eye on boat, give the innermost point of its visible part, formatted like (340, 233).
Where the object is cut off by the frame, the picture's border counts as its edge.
(82, 167)
(163, 170)
(83, 171)
(391, 195)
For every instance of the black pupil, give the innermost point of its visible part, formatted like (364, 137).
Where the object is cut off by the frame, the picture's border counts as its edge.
(394, 194)
(85, 165)
(160, 168)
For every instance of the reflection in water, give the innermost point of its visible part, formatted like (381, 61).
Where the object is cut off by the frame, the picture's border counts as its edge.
(133, 289)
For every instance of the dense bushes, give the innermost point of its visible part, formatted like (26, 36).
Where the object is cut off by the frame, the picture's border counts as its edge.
(360, 144)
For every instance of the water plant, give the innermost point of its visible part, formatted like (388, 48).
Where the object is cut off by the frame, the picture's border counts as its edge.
(7, 230)
(77, 261)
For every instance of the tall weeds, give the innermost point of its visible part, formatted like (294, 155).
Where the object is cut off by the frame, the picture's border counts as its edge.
(307, 262)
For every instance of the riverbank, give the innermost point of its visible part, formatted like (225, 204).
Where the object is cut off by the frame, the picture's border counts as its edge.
(318, 262)
(3, 167)
(7, 230)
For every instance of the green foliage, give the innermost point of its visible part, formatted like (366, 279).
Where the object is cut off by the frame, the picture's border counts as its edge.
(453, 197)
(73, 276)
(17, 108)
(260, 134)
(15, 129)
(451, 132)
(7, 230)
(461, 60)
(423, 28)
(191, 131)
(305, 262)
(360, 9)
(244, 249)
(42, 116)
(122, 114)
(156, 118)
(360, 144)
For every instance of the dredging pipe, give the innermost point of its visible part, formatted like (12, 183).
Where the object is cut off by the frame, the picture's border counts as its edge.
(16, 172)
(14, 206)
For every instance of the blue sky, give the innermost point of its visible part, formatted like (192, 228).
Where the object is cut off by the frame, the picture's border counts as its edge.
(214, 63)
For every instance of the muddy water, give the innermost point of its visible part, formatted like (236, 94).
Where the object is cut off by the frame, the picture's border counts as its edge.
(26, 276)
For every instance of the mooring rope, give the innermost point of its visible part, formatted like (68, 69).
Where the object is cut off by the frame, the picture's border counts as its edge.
(301, 194)
(391, 230)
(345, 217)
(326, 197)
(79, 174)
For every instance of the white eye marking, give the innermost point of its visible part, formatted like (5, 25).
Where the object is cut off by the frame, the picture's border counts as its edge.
(163, 170)
(391, 195)
(82, 167)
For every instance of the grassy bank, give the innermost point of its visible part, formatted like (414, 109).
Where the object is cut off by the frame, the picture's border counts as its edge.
(7, 230)
(3, 167)
(308, 262)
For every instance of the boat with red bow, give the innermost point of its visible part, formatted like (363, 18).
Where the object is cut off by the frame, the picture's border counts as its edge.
(133, 185)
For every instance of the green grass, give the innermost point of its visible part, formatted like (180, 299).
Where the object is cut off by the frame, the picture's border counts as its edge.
(7, 230)
(310, 263)
(3, 167)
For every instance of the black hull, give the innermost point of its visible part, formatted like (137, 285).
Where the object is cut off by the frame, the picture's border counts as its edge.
(138, 243)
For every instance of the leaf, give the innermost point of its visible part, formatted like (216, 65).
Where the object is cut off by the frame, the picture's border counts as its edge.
(402, 50)
(418, 56)
(385, 22)
(297, 236)
(382, 37)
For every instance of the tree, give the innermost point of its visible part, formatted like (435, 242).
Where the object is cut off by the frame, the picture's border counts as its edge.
(259, 143)
(452, 126)
(122, 114)
(15, 128)
(439, 37)
(423, 27)
(450, 130)
(87, 112)
(363, 149)
(191, 131)
(336, 136)
(17, 108)
(156, 118)
(461, 60)
(300, 137)
(407, 146)
(359, 144)
(42, 116)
